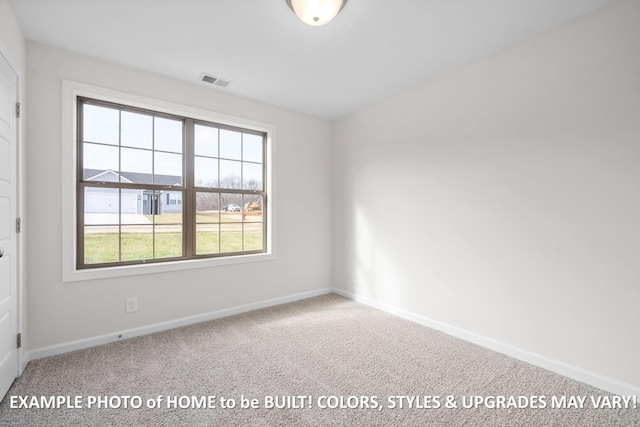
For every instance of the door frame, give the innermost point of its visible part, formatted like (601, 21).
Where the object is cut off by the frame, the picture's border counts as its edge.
(23, 355)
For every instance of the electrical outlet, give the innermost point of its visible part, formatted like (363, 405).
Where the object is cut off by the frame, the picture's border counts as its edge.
(354, 277)
(131, 304)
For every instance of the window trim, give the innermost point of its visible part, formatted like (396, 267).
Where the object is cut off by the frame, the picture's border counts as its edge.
(70, 92)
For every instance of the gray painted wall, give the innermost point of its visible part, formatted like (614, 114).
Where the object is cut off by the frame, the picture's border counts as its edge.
(502, 199)
(62, 312)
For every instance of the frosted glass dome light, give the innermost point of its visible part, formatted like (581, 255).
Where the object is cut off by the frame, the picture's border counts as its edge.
(316, 12)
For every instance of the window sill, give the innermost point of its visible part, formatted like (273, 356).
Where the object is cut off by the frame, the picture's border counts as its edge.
(75, 275)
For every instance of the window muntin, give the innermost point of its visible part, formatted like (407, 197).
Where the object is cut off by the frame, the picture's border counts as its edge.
(154, 187)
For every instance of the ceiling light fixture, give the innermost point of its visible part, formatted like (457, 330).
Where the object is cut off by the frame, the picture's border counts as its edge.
(316, 12)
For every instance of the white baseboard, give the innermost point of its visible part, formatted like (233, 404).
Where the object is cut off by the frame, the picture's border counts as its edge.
(604, 383)
(158, 327)
(567, 370)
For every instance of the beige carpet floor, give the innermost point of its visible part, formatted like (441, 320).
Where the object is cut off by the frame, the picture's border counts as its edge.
(328, 349)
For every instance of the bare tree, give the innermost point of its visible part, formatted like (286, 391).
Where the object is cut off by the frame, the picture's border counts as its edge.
(214, 201)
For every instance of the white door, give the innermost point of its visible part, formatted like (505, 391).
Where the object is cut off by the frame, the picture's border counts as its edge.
(8, 236)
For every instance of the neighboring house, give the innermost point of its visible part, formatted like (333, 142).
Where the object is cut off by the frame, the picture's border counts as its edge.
(141, 202)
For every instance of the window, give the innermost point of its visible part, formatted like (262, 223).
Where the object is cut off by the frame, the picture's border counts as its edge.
(153, 187)
(174, 198)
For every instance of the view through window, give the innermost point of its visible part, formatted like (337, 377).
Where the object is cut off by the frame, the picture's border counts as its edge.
(153, 187)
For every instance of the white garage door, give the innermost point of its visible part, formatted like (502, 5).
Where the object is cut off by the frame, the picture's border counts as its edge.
(107, 202)
(101, 202)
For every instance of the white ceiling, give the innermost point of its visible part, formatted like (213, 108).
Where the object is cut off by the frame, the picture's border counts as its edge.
(373, 49)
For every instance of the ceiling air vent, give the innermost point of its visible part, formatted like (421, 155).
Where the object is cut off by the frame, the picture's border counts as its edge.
(216, 81)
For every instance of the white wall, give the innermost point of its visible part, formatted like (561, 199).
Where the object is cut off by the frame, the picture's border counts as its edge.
(11, 36)
(63, 312)
(503, 199)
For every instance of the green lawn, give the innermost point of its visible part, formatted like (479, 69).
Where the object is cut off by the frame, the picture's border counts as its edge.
(104, 247)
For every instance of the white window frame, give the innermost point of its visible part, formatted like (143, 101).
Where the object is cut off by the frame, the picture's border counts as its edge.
(70, 92)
